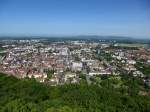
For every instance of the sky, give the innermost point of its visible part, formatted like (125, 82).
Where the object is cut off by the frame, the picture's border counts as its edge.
(75, 17)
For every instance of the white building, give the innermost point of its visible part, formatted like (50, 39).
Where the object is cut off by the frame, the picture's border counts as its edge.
(76, 66)
(131, 62)
(102, 72)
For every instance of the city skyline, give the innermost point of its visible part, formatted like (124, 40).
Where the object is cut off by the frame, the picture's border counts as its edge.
(75, 17)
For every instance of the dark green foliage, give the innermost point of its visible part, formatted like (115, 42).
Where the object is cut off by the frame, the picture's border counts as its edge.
(49, 74)
(27, 95)
(82, 76)
(102, 55)
(144, 68)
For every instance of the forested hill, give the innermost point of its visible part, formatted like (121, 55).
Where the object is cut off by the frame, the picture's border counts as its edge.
(27, 95)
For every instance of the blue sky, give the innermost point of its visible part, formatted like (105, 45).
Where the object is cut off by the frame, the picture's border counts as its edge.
(75, 17)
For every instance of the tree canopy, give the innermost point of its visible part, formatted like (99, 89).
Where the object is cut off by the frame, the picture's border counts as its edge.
(27, 95)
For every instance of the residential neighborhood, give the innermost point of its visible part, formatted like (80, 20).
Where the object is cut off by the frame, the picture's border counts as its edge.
(61, 62)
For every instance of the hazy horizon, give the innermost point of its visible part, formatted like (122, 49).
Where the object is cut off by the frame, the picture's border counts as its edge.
(129, 18)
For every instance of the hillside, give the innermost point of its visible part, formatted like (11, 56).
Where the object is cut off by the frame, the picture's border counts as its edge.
(27, 95)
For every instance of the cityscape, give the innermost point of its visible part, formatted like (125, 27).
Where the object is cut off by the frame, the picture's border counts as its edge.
(74, 55)
(60, 62)
(74, 74)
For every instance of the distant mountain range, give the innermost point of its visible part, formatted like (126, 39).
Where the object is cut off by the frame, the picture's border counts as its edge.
(75, 37)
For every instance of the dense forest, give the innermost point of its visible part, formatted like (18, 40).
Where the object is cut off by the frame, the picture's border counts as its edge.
(27, 95)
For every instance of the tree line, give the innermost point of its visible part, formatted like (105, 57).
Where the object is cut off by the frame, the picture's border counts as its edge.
(28, 95)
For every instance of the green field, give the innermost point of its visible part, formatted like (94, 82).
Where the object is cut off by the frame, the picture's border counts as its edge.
(131, 45)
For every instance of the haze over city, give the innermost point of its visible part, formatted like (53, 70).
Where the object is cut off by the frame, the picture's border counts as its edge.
(75, 17)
